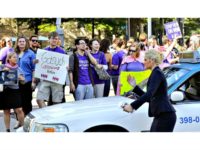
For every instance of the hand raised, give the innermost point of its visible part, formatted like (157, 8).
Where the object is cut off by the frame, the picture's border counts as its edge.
(131, 81)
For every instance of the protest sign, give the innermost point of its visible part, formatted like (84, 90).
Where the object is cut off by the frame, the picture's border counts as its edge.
(8, 77)
(172, 30)
(139, 77)
(52, 66)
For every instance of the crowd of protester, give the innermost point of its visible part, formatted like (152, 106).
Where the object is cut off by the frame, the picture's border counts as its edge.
(84, 82)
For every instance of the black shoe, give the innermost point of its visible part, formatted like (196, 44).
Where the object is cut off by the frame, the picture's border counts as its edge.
(17, 126)
(7, 130)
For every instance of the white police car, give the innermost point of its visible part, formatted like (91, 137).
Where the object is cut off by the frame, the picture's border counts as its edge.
(105, 114)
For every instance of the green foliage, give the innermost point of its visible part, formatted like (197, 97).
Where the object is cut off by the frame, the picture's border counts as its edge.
(191, 25)
(34, 23)
(47, 27)
(108, 25)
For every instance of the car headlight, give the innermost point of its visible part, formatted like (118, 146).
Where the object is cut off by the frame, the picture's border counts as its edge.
(54, 127)
(28, 120)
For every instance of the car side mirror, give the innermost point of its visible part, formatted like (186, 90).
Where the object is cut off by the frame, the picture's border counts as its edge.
(177, 96)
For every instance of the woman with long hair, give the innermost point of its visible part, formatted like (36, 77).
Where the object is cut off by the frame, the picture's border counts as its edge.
(104, 47)
(26, 63)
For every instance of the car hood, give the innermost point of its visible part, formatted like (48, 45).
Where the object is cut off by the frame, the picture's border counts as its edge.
(70, 110)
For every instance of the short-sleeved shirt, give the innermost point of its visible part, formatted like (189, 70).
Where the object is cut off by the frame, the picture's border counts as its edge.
(56, 49)
(84, 77)
(116, 60)
(4, 52)
(101, 59)
(130, 64)
(19, 72)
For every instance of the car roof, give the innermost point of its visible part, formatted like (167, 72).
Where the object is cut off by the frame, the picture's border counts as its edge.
(187, 66)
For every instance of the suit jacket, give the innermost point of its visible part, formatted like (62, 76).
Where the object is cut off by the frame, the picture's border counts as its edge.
(156, 94)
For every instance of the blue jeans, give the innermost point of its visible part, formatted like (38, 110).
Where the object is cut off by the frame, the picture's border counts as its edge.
(84, 92)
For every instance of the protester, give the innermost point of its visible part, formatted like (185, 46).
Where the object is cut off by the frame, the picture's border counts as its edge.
(33, 43)
(12, 96)
(26, 63)
(159, 104)
(3, 42)
(104, 47)
(6, 49)
(116, 62)
(194, 43)
(131, 63)
(169, 56)
(152, 43)
(50, 102)
(46, 88)
(143, 41)
(80, 75)
(101, 60)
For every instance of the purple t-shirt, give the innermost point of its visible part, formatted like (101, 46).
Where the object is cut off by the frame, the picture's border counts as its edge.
(116, 60)
(101, 59)
(84, 77)
(56, 49)
(132, 66)
(4, 52)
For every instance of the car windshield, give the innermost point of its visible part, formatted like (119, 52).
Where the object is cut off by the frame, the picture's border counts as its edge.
(172, 75)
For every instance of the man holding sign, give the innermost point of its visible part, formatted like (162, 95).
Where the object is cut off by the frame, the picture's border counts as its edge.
(51, 69)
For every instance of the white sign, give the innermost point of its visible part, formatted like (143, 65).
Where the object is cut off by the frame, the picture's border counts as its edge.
(52, 66)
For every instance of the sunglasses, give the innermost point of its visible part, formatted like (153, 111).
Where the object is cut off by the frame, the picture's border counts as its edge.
(131, 51)
(34, 40)
(82, 43)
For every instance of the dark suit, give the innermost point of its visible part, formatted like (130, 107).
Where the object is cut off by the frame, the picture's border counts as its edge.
(159, 104)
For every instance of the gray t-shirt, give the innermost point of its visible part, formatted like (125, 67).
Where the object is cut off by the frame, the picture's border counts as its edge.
(13, 85)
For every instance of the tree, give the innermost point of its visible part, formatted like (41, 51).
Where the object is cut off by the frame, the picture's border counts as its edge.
(34, 23)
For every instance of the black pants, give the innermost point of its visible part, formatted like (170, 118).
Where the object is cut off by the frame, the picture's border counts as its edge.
(1, 103)
(165, 122)
(114, 82)
(26, 94)
(106, 88)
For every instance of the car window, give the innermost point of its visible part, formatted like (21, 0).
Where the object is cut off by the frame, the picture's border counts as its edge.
(191, 88)
(173, 75)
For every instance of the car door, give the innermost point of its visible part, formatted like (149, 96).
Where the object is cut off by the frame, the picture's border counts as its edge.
(188, 116)
(188, 110)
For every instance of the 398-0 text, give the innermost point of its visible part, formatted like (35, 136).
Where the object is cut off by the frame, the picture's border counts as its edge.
(184, 120)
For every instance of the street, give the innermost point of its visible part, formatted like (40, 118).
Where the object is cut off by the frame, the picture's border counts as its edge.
(69, 97)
